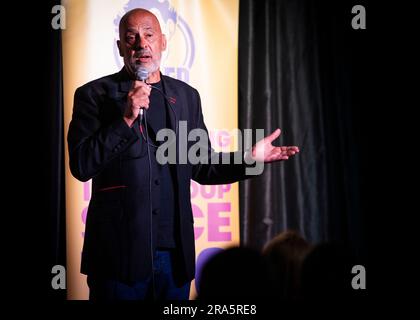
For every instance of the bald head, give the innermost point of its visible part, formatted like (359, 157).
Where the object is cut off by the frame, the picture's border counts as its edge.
(141, 42)
(132, 16)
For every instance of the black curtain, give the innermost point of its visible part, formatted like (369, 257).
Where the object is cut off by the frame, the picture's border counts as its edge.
(37, 188)
(300, 69)
(51, 125)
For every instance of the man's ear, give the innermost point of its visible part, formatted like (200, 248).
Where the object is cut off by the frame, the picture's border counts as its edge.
(163, 42)
(119, 48)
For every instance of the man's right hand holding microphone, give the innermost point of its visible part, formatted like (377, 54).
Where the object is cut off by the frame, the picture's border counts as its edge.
(138, 97)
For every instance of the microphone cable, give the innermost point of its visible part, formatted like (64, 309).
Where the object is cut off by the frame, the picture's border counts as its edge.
(150, 204)
(146, 138)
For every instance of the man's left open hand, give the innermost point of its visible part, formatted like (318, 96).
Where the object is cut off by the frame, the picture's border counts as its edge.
(264, 151)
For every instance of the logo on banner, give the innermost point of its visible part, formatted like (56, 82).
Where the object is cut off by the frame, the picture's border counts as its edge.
(172, 24)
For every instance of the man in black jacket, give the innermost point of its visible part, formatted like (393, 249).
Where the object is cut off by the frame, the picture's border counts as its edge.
(139, 238)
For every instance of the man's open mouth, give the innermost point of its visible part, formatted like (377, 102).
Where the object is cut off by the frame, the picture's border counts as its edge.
(145, 58)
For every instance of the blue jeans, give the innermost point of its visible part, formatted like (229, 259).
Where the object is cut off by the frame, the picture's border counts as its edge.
(164, 285)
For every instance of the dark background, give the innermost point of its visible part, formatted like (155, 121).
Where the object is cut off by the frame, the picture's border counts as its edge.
(302, 67)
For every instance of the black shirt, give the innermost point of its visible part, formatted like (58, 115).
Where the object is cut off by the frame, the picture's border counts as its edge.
(163, 175)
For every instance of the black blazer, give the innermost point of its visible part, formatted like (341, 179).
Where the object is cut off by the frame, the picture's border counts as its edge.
(119, 227)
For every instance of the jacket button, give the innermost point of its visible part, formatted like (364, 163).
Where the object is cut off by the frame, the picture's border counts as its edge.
(155, 211)
(157, 182)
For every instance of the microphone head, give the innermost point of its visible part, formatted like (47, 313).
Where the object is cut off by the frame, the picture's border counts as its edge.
(142, 74)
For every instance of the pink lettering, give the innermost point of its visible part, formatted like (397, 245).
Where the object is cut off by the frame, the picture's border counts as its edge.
(84, 215)
(208, 194)
(209, 191)
(223, 189)
(215, 221)
(86, 191)
(194, 189)
(224, 139)
(197, 213)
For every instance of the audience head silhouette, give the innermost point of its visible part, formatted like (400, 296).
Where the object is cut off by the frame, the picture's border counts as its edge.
(326, 273)
(235, 273)
(285, 254)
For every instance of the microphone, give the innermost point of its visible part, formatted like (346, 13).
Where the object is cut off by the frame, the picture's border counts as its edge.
(141, 74)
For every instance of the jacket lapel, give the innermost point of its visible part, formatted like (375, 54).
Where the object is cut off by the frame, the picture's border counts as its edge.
(124, 81)
(173, 101)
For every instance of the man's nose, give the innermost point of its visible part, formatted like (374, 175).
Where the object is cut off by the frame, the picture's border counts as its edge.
(141, 43)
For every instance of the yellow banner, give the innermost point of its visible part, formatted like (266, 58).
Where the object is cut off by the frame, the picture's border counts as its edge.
(202, 51)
